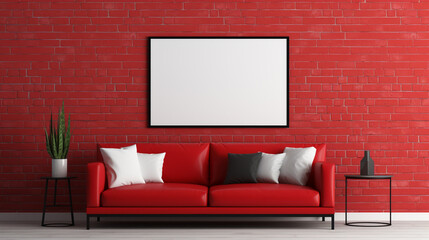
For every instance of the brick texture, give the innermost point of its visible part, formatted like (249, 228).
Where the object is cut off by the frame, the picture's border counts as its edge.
(358, 81)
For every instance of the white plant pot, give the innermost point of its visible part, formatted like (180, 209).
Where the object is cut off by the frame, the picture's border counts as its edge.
(59, 168)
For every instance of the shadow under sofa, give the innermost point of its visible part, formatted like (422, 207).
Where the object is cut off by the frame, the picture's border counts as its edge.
(193, 175)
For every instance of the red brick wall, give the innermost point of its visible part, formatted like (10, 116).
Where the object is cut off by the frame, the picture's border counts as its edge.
(358, 81)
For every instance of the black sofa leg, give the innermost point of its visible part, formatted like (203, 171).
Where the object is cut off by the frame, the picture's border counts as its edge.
(332, 222)
(323, 219)
(98, 219)
(87, 222)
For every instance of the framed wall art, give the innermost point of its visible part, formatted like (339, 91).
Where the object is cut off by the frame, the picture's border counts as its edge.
(218, 81)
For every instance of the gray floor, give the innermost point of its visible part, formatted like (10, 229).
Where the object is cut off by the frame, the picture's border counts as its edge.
(210, 229)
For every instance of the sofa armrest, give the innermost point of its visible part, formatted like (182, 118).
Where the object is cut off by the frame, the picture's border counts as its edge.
(95, 184)
(324, 182)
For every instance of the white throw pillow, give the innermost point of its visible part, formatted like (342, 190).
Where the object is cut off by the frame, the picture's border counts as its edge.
(269, 167)
(122, 166)
(151, 166)
(296, 167)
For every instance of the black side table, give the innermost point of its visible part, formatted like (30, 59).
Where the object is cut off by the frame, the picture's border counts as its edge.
(373, 177)
(55, 202)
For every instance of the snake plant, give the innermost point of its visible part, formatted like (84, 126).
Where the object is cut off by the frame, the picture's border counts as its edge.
(58, 139)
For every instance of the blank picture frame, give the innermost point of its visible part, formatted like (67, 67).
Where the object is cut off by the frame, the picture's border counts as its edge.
(218, 81)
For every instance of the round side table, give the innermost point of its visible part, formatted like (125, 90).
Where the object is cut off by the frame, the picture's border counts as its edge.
(70, 205)
(371, 177)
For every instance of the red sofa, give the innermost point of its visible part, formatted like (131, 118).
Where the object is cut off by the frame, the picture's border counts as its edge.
(193, 177)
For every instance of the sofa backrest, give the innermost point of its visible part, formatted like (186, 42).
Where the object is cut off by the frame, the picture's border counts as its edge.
(183, 163)
(219, 156)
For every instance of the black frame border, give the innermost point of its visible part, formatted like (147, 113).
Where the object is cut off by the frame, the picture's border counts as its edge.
(149, 123)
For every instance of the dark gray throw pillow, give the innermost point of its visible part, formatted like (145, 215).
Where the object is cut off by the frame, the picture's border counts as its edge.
(242, 168)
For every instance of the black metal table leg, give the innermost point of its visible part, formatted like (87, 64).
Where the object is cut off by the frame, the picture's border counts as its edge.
(44, 202)
(55, 193)
(346, 202)
(87, 222)
(45, 206)
(71, 203)
(372, 223)
(390, 201)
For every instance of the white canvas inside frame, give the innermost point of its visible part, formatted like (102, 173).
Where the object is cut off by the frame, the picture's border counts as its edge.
(218, 82)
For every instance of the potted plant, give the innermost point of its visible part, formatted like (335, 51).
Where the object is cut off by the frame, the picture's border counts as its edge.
(57, 144)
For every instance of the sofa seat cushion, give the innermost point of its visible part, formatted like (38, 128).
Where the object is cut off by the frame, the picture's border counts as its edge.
(156, 195)
(263, 195)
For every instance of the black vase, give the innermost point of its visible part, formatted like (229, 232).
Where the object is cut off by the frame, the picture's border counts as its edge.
(367, 165)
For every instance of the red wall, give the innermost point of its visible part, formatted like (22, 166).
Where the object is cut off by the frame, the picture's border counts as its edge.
(358, 81)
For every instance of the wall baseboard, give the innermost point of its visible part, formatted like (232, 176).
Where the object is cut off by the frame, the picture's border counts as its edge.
(339, 216)
(56, 216)
(382, 216)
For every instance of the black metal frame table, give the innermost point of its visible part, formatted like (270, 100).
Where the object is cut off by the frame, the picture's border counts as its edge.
(371, 177)
(55, 202)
